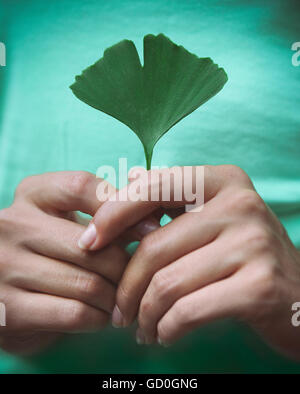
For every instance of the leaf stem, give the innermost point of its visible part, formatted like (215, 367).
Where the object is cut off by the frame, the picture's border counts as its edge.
(148, 156)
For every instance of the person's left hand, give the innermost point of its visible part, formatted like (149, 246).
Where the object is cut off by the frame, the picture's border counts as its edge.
(231, 259)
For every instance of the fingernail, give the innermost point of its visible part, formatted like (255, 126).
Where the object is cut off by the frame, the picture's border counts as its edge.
(146, 226)
(117, 318)
(88, 237)
(161, 343)
(140, 338)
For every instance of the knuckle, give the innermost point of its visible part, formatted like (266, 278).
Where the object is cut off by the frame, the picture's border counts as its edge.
(89, 286)
(79, 317)
(10, 270)
(264, 281)
(76, 184)
(247, 201)
(252, 202)
(25, 186)
(234, 173)
(75, 315)
(162, 285)
(260, 239)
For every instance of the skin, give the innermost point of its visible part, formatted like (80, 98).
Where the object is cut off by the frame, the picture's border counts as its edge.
(232, 259)
(49, 285)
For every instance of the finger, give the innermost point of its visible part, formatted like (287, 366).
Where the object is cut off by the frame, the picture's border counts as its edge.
(122, 211)
(62, 191)
(223, 299)
(57, 238)
(44, 275)
(157, 250)
(43, 312)
(183, 276)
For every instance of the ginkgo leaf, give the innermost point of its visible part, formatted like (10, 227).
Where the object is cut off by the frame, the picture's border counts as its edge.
(152, 98)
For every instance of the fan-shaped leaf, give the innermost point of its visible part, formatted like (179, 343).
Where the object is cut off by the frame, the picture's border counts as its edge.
(149, 99)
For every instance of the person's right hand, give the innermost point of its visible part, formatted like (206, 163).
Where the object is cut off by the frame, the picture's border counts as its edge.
(49, 285)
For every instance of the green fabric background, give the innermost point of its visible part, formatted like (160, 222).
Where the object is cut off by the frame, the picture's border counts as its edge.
(254, 123)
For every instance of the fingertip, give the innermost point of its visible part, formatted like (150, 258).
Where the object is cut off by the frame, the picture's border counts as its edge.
(163, 343)
(89, 239)
(117, 318)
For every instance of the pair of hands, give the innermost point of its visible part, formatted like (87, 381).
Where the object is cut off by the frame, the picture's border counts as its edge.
(232, 259)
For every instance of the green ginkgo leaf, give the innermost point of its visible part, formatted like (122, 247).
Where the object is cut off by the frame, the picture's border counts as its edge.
(152, 98)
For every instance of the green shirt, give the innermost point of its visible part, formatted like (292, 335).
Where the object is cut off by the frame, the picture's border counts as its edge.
(253, 123)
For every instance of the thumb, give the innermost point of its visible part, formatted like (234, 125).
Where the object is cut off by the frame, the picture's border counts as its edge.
(134, 233)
